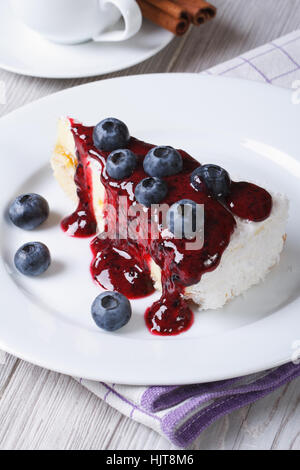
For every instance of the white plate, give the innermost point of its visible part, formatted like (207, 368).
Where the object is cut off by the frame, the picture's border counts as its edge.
(250, 129)
(24, 51)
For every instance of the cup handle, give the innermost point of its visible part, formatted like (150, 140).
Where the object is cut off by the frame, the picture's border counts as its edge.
(132, 17)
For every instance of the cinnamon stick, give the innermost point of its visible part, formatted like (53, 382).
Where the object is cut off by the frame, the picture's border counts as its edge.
(199, 10)
(171, 8)
(167, 15)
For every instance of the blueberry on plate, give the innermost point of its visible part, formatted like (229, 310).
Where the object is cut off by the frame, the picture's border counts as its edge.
(111, 310)
(32, 259)
(110, 134)
(163, 161)
(185, 218)
(150, 191)
(216, 180)
(121, 163)
(28, 211)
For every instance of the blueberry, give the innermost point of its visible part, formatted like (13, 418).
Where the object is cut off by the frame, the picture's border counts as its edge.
(110, 134)
(215, 178)
(28, 211)
(111, 310)
(121, 163)
(162, 161)
(150, 191)
(185, 218)
(32, 259)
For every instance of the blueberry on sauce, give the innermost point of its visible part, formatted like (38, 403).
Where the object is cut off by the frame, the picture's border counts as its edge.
(151, 191)
(163, 161)
(182, 218)
(110, 134)
(120, 164)
(215, 180)
(123, 264)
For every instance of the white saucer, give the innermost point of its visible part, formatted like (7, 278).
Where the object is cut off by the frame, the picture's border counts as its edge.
(24, 51)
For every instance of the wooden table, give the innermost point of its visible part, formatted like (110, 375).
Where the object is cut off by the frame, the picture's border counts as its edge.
(40, 409)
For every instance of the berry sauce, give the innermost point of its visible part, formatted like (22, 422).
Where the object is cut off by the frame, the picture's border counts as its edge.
(122, 253)
(82, 222)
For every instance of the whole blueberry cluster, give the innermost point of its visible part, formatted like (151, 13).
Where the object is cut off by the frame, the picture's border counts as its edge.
(29, 211)
(162, 161)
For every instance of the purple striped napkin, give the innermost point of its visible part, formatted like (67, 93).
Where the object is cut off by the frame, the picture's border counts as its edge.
(181, 413)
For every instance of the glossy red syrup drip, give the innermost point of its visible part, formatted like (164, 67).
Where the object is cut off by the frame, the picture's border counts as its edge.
(121, 263)
(82, 222)
(249, 201)
(169, 316)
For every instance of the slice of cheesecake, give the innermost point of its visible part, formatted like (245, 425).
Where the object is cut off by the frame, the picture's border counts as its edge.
(64, 163)
(252, 248)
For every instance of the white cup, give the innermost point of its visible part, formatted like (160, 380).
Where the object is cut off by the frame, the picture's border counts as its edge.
(76, 21)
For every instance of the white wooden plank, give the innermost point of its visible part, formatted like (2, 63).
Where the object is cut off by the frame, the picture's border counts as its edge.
(8, 364)
(45, 410)
(54, 412)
